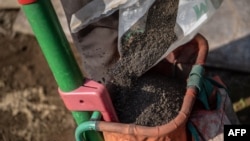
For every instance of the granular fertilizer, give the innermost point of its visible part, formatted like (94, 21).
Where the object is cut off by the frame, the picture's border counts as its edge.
(150, 100)
(141, 50)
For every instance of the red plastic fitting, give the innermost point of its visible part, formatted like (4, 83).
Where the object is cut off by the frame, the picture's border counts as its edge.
(24, 2)
(92, 96)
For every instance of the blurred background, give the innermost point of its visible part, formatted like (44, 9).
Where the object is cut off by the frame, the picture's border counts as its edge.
(30, 107)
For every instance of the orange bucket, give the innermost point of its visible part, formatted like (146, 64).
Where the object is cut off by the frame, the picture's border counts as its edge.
(182, 59)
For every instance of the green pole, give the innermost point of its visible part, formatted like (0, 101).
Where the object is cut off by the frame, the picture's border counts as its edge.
(54, 44)
(56, 49)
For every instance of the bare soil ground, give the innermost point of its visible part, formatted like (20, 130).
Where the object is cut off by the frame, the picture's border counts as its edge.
(30, 107)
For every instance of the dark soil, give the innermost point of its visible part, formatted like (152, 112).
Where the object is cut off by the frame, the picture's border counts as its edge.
(141, 50)
(150, 100)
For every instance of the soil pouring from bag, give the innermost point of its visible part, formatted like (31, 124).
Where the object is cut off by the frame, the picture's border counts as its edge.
(148, 99)
(142, 50)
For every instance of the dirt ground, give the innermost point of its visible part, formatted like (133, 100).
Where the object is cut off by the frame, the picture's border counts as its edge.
(30, 107)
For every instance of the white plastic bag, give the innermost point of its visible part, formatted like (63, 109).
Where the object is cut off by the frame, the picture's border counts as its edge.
(192, 14)
(96, 10)
(130, 15)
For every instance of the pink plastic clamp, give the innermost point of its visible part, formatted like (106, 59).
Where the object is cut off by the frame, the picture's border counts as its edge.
(92, 96)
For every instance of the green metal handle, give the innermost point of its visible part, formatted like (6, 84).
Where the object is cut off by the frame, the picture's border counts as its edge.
(54, 44)
(96, 115)
(84, 127)
(56, 49)
(88, 126)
